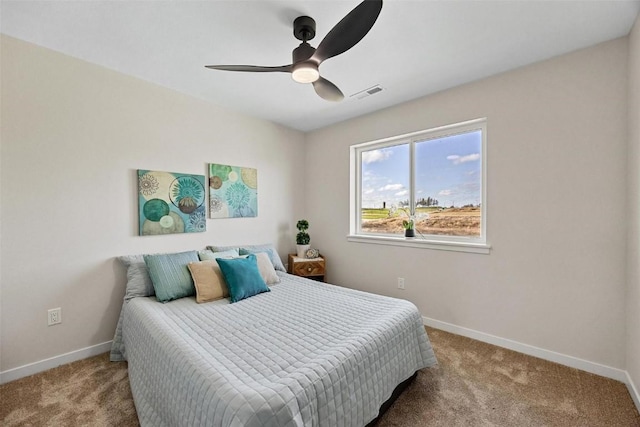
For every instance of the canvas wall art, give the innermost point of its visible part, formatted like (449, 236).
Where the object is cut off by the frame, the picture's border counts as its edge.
(170, 202)
(233, 191)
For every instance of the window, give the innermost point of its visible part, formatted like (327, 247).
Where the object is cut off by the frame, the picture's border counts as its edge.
(434, 177)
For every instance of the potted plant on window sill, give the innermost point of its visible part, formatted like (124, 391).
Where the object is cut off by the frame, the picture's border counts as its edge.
(409, 230)
(302, 238)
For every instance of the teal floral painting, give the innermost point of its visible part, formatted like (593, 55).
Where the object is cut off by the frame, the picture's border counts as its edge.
(233, 191)
(170, 203)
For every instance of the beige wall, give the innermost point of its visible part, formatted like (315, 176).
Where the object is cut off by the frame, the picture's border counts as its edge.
(633, 254)
(555, 278)
(73, 135)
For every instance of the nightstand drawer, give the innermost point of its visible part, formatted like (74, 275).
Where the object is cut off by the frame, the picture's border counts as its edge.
(308, 268)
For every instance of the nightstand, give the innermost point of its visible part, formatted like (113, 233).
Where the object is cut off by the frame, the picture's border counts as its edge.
(310, 268)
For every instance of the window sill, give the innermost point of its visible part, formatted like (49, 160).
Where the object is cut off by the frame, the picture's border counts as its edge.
(478, 248)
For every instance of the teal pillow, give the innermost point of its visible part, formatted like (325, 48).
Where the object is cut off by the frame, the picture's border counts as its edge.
(243, 277)
(170, 275)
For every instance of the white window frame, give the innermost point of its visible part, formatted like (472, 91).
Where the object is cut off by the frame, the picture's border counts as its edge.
(450, 243)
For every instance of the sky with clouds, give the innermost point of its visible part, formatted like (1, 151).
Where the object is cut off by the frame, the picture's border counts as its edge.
(447, 169)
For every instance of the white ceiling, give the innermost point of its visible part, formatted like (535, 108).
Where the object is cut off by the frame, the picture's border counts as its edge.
(414, 49)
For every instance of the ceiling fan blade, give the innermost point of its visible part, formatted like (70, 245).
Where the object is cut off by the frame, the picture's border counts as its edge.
(252, 68)
(349, 31)
(327, 90)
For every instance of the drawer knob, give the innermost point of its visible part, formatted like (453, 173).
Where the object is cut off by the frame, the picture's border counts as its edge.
(309, 269)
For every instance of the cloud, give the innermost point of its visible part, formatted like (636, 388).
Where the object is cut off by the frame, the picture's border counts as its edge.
(375, 156)
(402, 193)
(392, 187)
(369, 191)
(472, 186)
(463, 159)
(444, 193)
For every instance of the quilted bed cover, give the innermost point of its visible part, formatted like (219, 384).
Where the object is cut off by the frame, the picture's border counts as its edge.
(304, 354)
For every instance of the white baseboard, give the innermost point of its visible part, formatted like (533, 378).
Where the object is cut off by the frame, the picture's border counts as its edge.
(633, 391)
(552, 356)
(43, 365)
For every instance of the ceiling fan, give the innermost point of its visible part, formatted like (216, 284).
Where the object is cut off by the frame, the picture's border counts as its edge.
(306, 59)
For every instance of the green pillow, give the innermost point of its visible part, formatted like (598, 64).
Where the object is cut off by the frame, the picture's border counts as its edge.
(243, 277)
(209, 254)
(170, 275)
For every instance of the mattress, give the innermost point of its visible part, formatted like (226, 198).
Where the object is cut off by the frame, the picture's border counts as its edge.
(304, 354)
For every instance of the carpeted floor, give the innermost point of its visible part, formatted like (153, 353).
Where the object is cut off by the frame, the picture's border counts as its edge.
(475, 384)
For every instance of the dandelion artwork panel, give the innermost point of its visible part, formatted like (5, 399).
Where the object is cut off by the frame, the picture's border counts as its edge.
(170, 203)
(233, 191)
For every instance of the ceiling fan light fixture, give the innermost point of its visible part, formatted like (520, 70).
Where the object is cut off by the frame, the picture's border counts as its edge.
(305, 72)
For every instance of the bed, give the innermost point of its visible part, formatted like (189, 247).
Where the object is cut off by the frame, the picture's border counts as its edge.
(304, 354)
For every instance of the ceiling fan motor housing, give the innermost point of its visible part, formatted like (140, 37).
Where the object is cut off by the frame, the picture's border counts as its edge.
(303, 52)
(305, 69)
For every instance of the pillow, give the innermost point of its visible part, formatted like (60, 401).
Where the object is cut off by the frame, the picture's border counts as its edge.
(265, 266)
(208, 280)
(205, 255)
(266, 269)
(209, 254)
(223, 248)
(170, 275)
(269, 249)
(138, 281)
(242, 277)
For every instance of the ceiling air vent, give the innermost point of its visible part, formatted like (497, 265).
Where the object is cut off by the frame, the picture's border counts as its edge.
(367, 92)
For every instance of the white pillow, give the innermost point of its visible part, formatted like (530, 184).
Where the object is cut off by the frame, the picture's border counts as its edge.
(267, 271)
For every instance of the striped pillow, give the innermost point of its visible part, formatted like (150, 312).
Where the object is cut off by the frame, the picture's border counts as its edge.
(170, 274)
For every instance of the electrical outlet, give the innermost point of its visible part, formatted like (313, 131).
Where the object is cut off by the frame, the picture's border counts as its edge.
(401, 283)
(54, 316)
